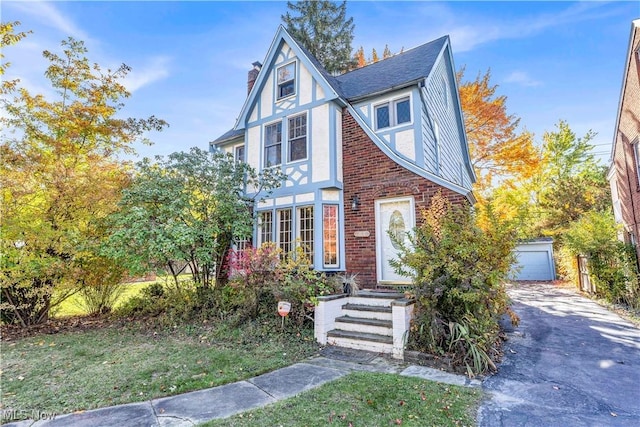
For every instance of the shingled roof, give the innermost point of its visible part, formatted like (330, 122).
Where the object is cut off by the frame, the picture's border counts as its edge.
(229, 135)
(396, 72)
(392, 73)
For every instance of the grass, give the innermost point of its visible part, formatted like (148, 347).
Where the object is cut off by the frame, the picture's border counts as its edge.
(127, 362)
(74, 306)
(368, 399)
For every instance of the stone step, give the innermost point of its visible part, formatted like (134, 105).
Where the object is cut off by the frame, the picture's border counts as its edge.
(367, 311)
(375, 298)
(360, 341)
(360, 336)
(362, 324)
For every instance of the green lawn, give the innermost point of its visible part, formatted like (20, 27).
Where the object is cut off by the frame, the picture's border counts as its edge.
(127, 362)
(73, 306)
(368, 399)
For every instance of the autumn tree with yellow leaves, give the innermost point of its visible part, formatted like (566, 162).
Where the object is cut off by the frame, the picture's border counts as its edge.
(499, 151)
(60, 175)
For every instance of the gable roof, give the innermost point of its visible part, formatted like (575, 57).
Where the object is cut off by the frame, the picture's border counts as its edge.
(396, 72)
(282, 36)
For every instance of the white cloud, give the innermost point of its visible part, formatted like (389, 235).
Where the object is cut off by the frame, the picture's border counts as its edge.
(466, 37)
(522, 78)
(156, 69)
(50, 16)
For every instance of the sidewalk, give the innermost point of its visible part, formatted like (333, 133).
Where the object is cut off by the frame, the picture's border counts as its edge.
(190, 409)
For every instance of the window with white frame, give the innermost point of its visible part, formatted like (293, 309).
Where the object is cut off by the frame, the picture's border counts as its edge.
(238, 154)
(393, 113)
(265, 227)
(297, 137)
(286, 80)
(273, 144)
(330, 236)
(305, 231)
(285, 242)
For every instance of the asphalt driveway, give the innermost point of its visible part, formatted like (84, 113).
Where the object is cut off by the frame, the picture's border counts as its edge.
(571, 362)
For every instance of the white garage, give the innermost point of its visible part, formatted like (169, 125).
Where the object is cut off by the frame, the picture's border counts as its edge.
(534, 260)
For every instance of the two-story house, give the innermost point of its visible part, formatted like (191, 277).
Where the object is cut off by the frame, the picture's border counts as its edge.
(624, 172)
(363, 152)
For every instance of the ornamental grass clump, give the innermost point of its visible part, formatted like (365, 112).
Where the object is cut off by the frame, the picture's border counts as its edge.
(458, 271)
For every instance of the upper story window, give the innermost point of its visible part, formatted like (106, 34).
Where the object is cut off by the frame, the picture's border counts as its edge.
(296, 146)
(297, 137)
(393, 113)
(238, 153)
(286, 80)
(273, 144)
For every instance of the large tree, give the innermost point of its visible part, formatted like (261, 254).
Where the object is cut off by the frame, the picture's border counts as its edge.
(323, 28)
(572, 182)
(498, 149)
(60, 176)
(187, 209)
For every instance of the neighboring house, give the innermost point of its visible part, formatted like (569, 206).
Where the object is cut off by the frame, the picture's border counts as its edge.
(624, 173)
(363, 152)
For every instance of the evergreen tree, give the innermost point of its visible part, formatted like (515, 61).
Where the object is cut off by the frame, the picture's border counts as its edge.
(387, 52)
(322, 27)
(359, 57)
(374, 56)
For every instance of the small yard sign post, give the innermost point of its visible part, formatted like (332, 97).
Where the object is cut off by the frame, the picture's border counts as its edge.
(284, 308)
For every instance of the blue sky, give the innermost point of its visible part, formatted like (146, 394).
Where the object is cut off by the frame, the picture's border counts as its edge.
(553, 60)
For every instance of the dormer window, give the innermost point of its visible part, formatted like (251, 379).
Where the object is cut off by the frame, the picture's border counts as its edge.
(393, 113)
(286, 80)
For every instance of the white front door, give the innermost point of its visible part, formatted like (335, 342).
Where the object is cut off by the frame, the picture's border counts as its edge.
(393, 217)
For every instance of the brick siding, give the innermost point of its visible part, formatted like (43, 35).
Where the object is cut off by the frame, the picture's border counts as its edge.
(628, 133)
(371, 175)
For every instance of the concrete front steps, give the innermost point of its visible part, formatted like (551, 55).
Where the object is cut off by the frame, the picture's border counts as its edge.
(365, 322)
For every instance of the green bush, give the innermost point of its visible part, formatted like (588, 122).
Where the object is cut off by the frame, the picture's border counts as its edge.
(458, 272)
(612, 266)
(169, 304)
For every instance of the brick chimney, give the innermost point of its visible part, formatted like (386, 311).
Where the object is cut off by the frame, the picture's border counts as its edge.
(253, 75)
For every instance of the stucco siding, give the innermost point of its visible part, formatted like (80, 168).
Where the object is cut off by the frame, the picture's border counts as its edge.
(320, 145)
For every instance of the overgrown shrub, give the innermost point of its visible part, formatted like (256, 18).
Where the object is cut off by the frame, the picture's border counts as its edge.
(265, 276)
(458, 272)
(169, 304)
(101, 285)
(612, 266)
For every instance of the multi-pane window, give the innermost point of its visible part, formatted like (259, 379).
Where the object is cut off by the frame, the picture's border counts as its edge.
(403, 111)
(284, 230)
(305, 231)
(273, 144)
(330, 235)
(297, 137)
(239, 153)
(382, 116)
(265, 227)
(286, 80)
(393, 113)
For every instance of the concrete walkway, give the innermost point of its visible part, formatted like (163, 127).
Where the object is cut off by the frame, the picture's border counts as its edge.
(571, 362)
(193, 408)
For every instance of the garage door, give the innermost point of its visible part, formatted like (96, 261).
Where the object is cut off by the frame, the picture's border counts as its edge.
(533, 265)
